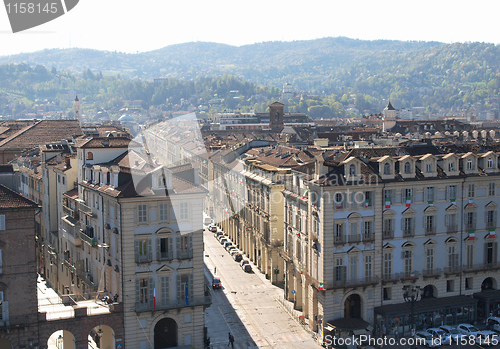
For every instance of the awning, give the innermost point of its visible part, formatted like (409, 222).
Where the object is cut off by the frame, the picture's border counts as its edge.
(488, 296)
(425, 305)
(349, 324)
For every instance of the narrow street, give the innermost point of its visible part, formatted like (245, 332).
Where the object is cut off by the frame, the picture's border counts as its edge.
(246, 306)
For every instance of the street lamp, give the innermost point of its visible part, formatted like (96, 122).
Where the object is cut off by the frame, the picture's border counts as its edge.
(411, 294)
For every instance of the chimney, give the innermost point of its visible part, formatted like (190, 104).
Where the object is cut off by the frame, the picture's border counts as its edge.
(67, 160)
(58, 158)
(35, 169)
(319, 166)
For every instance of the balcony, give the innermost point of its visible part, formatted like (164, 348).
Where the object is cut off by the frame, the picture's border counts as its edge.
(339, 240)
(88, 279)
(359, 282)
(368, 237)
(452, 270)
(187, 254)
(491, 225)
(408, 233)
(470, 227)
(165, 255)
(429, 273)
(68, 262)
(86, 209)
(388, 234)
(481, 267)
(144, 257)
(394, 277)
(430, 230)
(409, 275)
(173, 304)
(452, 229)
(354, 238)
(87, 236)
(70, 212)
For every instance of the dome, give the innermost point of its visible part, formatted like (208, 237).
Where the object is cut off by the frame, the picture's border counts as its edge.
(126, 117)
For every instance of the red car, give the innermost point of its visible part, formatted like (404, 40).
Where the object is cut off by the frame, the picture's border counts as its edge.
(216, 283)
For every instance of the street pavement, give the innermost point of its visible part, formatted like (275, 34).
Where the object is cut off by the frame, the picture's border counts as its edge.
(246, 306)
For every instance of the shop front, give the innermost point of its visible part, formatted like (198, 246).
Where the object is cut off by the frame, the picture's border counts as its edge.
(395, 319)
(488, 304)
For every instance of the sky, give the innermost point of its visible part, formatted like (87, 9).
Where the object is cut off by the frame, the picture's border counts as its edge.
(145, 25)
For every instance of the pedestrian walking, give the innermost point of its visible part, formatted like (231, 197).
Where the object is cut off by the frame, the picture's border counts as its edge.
(215, 270)
(231, 340)
(228, 338)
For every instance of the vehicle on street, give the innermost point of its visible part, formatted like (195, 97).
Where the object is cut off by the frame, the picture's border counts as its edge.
(493, 323)
(468, 329)
(427, 338)
(245, 261)
(487, 338)
(216, 283)
(237, 257)
(438, 333)
(231, 248)
(452, 332)
(223, 240)
(247, 268)
(227, 244)
(212, 228)
(207, 220)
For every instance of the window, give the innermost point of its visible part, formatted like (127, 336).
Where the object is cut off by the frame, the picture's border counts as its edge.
(470, 221)
(162, 181)
(143, 291)
(387, 293)
(143, 251)
(90, 156)
(450, 285)
(469, 255)
(451, 166)
(2, 222)
(388, 264)
(368, 267)
(367, 233)
(58, 178)
(339, 233)
(369, 199)
(471, 190)
(142, 214)
(490, 163)
(165, 248)
(389, 195)
(469, 164)
(428, 167)
(63, 180)
(353, 266)
(407, 168)
(469, 283)
(490, 254)
(388, 228)
(184, 287)
(352, 170)
(340, 272)
(429, 193)
(407, 262)
(387, 168)
(451, 192)
(339, 201)
(452, 257)
(163, 208)
(408, 229)
(407, 195)
(491, 219)
(184, 212)
(491, 189)
(184, 246)
(430, 227)
(429, 259)
(451, 222)
(165, 290)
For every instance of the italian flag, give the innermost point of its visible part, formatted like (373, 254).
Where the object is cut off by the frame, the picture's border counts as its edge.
(453, 201)
(492, 233)
(472, 235)
(387, 203)
(408, 201)
(339, 205)
(367, 202)
(431, 203)
(154, 295)
(320, 286)
(305, 193)
(470, 202)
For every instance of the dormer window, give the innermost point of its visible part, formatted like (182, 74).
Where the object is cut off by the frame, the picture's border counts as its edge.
(407, 167)
(162, 181)
(352, 170)
(490, 163)
(428, 167)
(469, 164)
(387, 168)
(451, 167)
(90, 156)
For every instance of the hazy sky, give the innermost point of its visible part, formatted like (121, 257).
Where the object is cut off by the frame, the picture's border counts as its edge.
(144, 25)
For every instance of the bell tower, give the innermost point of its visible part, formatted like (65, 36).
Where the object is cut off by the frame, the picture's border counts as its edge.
(276, 116)
(76, 106)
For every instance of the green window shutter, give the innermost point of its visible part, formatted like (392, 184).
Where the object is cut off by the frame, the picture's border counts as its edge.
(150, 291)
(165, 290)
(158, 248)
(150, 250)
(136, 247)
(137, 290)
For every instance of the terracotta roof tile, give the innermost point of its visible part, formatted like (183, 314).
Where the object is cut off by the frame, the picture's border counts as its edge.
(9, 199)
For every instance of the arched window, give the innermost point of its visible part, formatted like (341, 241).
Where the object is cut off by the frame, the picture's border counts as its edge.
(352, 170)
(451, 166)
(407, 167)
(387, 168)
(490, 163)
(469, 164)
(90, 156)
(162, 181)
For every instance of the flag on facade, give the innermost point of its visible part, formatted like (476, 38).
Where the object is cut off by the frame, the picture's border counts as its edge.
(305, 193)
(472, 235)
(339, 205)
(367, 202)
(470, 202)
(387, 203)
(492, 233)
(408, 201)
(320, 286)
(431, 203)
(453, 201)
(154, 295)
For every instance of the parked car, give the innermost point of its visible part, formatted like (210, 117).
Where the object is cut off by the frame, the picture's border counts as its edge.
(243, 262)
(231, 248)
(216, 283)
(237, 257)
(223, 240)
(439, 333)
(221, 236)
(427, 339)
(217, 234)
(468, 329)
(452, 332)
(227, 244)
(487, 338)
(493, 323)
(212, 228)
(247, 268)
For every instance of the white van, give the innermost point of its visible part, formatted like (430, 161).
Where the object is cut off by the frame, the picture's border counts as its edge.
(207, 220)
